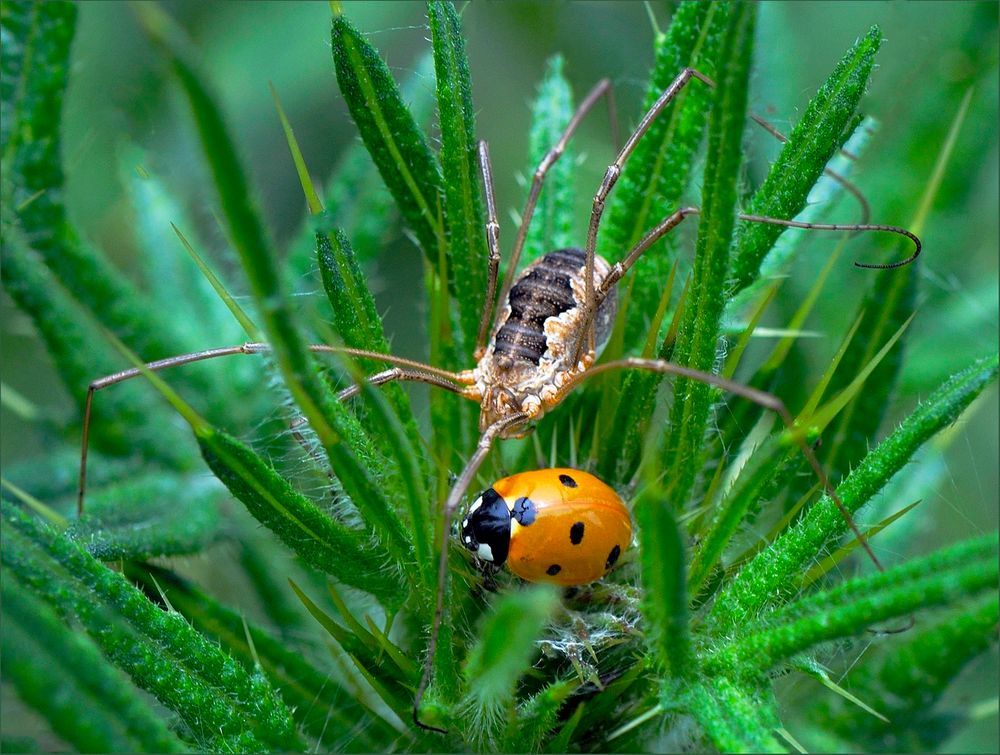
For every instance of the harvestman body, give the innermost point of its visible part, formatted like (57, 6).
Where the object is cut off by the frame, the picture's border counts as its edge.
(549, 326)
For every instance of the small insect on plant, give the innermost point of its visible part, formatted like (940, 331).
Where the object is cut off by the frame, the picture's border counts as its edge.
(453, 616)
(550, 324)
(582, 526)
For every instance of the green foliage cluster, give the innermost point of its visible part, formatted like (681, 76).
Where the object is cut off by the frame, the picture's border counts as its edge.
(738, 576)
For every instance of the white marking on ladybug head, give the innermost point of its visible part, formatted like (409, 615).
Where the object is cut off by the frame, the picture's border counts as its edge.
(484, 552)
(472, 509)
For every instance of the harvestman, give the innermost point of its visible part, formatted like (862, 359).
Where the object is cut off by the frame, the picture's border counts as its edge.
(531, 362)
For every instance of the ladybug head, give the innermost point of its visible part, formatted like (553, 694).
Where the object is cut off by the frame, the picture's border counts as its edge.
(486, 527)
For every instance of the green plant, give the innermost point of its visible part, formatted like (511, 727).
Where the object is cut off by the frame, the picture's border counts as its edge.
(682, 645)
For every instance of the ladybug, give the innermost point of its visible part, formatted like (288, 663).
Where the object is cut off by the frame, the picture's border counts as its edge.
(559, 525)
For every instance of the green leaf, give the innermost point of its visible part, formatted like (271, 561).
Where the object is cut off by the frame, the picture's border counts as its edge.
(169, 274)
(76, 345)
(622, 446)
(888, 302)
(321, 705)
(397, 145)
(355, 194)
(942, 578)
(911, 677)
(775, 570)
(735, 718)
(536, 717)
(552, 224)
(323, 543)
(148, 516)
(246, 230)
(357, 322)
(813, 141)
(354, 315)
(460, 166)
(349, 449)
(649, 189)
(385, 678)
(659, 170)
(222, 705)
(665, 602)
(699, 331)
(37, 40)
(60, 673)
(505, 649)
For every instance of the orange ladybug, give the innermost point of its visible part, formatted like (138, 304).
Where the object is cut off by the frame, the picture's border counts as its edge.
(559, 525)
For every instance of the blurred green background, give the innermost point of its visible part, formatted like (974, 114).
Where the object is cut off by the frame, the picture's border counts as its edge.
(935, 52)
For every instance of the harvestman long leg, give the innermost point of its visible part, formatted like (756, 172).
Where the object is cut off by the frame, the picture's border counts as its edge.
(405, 369)
(614, 171)
(761, 398)
(619, 269)
(602, 88)
(848, 186)
(451, 504)
(493, 244)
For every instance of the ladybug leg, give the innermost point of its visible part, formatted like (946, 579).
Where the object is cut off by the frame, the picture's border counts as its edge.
(489, 570)
(458, 490)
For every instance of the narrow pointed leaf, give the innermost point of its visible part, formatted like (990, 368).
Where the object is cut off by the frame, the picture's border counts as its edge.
(397, 145)
(505, 647)
(349, 449)
(159, 214)
(356, 319)
(659, 170)
(813, 141)
(536, 717)
(60, 673)
(774, 570)
(662, 558)
(460, 168)
(35, 61)
(552, 224)
(148, 516)
(699, 332)
(356, 196)
(734, 717)
(323, 543)
(393, 687)
(961, 571)
(218, 700)
(911, 677)
(887, 303)
(76, 345)
(320, 705)
(834, 559)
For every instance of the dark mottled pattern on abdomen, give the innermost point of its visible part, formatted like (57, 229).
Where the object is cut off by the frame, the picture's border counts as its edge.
(543, 291)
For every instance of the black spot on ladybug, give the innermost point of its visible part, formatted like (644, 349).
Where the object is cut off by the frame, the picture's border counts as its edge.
(576, 533)
(524, 511)
(612, 557)
(553, 570)
(568, 481)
